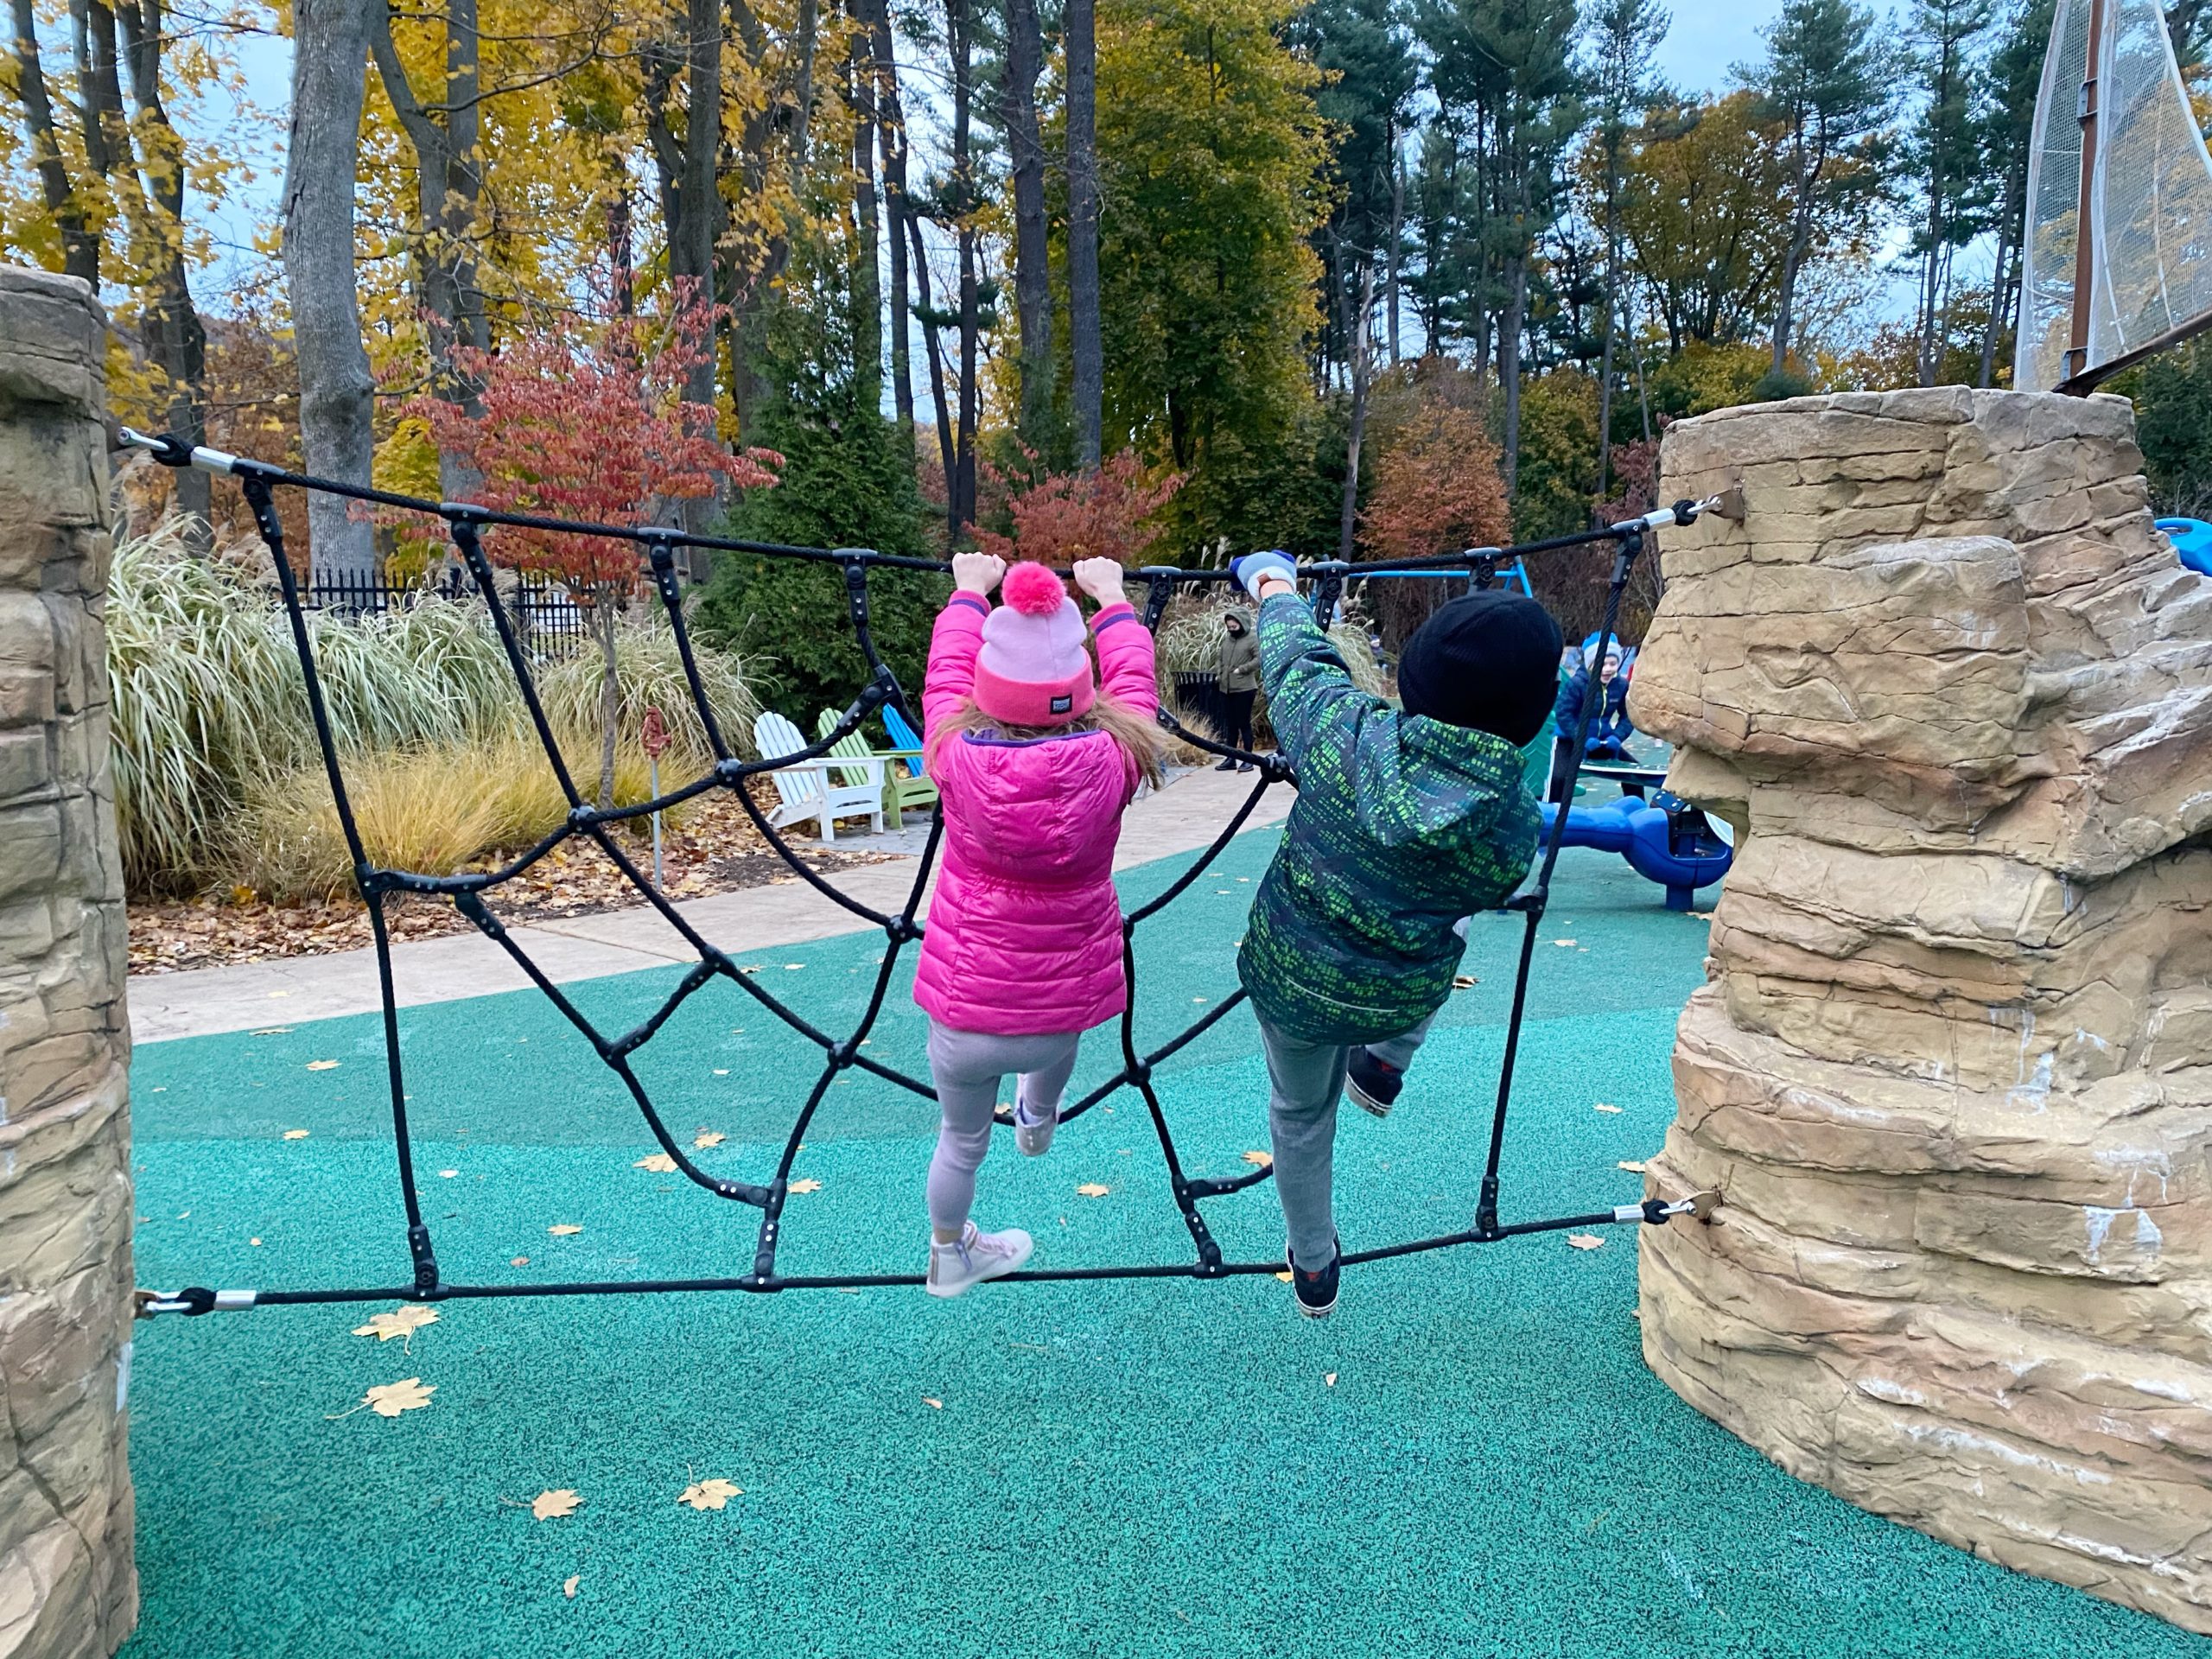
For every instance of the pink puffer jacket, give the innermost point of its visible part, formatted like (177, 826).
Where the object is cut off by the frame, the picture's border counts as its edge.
(1025, 929)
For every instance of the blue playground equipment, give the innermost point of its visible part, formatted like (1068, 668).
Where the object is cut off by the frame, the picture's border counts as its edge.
(2192, 539)
(1669, 841)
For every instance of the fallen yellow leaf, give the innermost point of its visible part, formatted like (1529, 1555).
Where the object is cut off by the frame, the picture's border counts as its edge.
(295, 1134)
(403, 1321)
(1262, 1159)
(660, 1162)
(1586, 1240)
(1634, 1166)
(563, 1229)
(550, 1506)
(1601, 1106)
(1284, 1275)
(322, 1066)
(390, 1399)
(709, 1494)
(807, 1186)
(253, 1241)
(569, 1585)
(1329, 1379)
(934, 1405)
(1094, 1190)
(702, 1141)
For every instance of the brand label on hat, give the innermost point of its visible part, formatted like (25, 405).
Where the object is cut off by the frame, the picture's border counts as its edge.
(1064, 703)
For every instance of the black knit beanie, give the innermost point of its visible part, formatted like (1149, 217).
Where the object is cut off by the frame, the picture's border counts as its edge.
(1488, 661)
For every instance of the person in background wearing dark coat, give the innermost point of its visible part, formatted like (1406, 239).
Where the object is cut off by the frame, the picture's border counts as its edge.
(1237, 673)
(1609, 722)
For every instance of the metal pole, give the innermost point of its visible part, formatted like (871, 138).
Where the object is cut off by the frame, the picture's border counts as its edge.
(2084, 231)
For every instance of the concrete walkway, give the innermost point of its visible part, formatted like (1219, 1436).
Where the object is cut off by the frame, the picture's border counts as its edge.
(1183, 817)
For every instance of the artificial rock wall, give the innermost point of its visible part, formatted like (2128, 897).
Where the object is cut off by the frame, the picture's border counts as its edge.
(1951, 1067)
(67, 1587)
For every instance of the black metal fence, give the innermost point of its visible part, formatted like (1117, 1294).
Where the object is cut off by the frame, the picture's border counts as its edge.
(547, 618)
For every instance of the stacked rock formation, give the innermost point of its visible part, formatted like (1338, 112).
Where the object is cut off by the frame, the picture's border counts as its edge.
(67, 1587)
(1951, 1067)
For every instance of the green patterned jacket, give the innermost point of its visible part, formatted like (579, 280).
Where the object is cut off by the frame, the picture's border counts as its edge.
(1402, 826)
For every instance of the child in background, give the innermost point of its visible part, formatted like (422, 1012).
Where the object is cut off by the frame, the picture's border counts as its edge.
(1406, 822)
(1034, 761)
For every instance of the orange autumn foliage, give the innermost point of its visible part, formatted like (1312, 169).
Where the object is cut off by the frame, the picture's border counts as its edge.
(1069, 516)
(1437, 488)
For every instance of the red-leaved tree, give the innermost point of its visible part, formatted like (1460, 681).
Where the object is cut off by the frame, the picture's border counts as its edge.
(1065, 516)
(593, 428)
(1437, 490)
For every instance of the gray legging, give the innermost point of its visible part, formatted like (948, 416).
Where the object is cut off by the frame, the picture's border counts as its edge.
(1308, 1079)
(966, 1066)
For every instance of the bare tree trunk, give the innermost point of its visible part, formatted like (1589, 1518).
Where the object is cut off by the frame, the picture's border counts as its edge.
(866, 284)
(1509, 361)
(1357, 345)
(1025, 62)
(1079, 34)
(890, 138)
(330, 59)
(445, 136)
(1397, 234)
(930, 347)
(177, 338)
(80, 248)
(698, 228)
(961, 25)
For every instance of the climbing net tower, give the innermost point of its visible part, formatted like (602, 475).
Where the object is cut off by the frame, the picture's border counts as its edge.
(471, 894)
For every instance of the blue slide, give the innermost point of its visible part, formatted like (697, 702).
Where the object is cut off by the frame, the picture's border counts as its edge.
(2192, 540)
(1668, 842)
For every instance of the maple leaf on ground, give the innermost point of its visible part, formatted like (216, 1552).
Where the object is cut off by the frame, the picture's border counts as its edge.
(1586, 1240)
(322, 1066)
(660, 1162)
(295, 1134)
(1094, 1190)
(1262, 1159)
(390, 1399)
(403, 1321)
(563, 1229)
(808, 1185)
(709, 1494)
(700, 1142)
(568, 1584)
(552, 1505)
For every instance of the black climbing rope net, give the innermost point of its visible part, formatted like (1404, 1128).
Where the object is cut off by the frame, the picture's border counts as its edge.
(469, 893)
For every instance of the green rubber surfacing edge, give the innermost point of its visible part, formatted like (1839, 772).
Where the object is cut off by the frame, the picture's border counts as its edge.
(1141, 1467)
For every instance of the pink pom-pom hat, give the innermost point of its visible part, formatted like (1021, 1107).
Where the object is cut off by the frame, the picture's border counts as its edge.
(1033, 670)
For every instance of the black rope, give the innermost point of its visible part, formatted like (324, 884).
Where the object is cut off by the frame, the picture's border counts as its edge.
(468, 894)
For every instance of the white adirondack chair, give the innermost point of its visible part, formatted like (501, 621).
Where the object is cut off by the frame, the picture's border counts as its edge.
(807, 789)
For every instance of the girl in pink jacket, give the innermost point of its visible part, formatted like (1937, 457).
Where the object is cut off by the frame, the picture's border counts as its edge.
(1034, 761)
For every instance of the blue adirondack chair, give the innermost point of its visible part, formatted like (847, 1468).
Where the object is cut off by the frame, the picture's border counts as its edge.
(907, 742)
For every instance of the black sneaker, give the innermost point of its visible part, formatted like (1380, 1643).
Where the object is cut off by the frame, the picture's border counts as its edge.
(1316, 1292)
(1372, 1084)
(1228, 764)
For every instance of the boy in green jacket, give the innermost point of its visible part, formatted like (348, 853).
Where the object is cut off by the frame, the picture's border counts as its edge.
(1406, 822)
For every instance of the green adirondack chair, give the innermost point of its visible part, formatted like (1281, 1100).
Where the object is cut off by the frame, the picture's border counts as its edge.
(901, 791)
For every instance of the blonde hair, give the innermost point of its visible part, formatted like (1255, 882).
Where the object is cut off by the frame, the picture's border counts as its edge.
(1139, 738)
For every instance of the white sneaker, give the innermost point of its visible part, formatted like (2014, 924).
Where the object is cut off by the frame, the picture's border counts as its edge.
(974, 1257)
(1033, 1139)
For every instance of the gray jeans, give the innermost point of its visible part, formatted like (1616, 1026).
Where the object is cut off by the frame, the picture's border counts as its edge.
(967, 1066)
(1308, 1079)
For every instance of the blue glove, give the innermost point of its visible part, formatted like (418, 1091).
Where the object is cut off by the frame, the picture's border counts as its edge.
(1250, 569)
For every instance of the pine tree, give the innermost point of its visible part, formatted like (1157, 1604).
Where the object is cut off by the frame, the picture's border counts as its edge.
(1826, 78)
(1624, 33)
(1943, 155)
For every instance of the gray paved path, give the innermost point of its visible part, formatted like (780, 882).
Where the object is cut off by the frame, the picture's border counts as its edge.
(1183, 817)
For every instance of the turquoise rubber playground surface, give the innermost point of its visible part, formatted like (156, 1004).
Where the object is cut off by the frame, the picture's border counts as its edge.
(1469, 1459)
